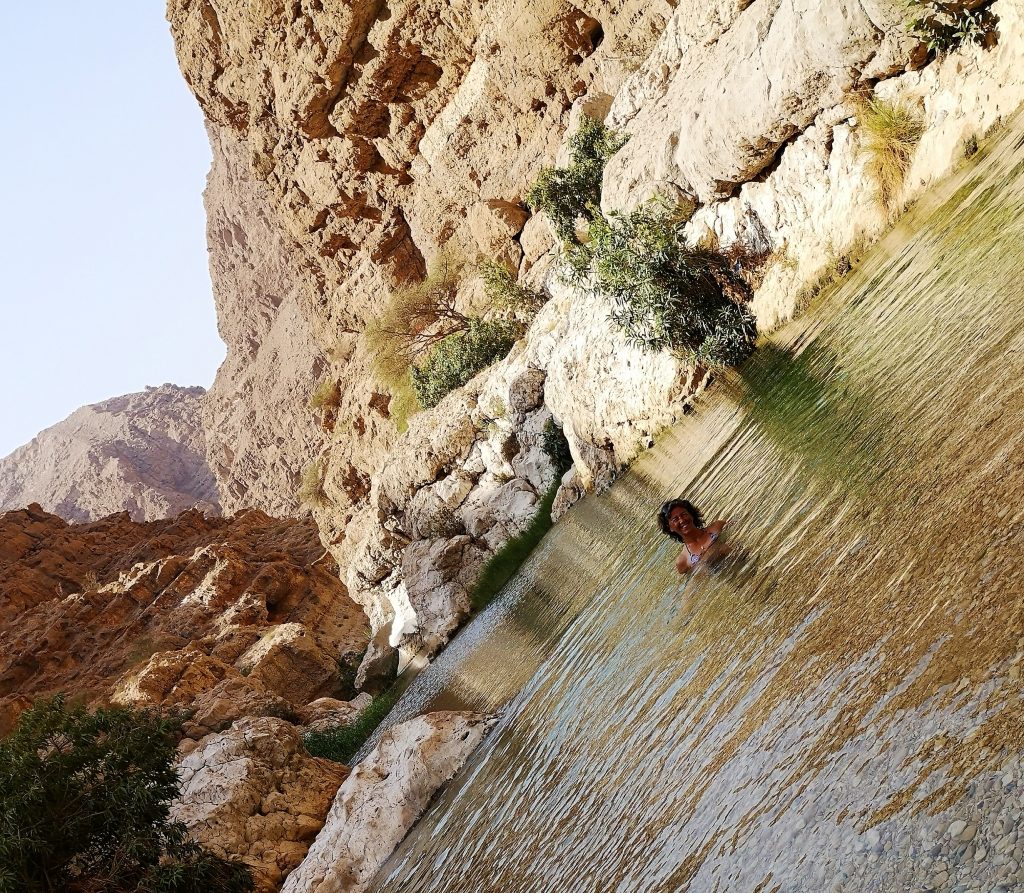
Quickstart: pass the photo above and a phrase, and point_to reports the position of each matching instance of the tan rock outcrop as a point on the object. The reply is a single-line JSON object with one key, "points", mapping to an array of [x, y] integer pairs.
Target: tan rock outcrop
{"points": [[349, 147], [374, 139], [193, 611], [728, 87], [253, 793], [383, 797], [142, 453]]}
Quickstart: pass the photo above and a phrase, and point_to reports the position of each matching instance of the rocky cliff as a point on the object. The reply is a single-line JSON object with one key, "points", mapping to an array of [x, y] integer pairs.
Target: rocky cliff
{"points": [[226, 616], [142, 453], [241, 627], [353, 142]]}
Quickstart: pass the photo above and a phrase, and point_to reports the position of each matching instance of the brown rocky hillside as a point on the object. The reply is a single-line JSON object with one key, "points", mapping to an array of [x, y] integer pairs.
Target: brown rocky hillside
{"points": [[226, 616], [142, 453]]}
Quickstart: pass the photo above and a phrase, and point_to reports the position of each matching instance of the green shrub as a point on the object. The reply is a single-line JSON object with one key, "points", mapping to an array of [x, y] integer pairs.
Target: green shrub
{"points": [[453, 361], [890, 134], [341, 743], [569, 194], [557, 447], [348, 670], [944, 27], [311, 490], [506, 295], [666, 295], [327, 394], [415, 319], [84, 806]]}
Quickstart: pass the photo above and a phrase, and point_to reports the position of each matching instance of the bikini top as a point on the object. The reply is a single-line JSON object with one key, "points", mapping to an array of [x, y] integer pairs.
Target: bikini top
{"points": [[695, 558]]}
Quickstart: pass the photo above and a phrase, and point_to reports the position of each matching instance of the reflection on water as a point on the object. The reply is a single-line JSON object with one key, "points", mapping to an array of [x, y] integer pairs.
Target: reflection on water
{"points": [[837, 705]]}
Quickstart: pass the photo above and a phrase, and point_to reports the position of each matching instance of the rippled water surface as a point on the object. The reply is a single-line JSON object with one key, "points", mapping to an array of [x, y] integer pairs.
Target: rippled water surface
{"points": [[837, 705]]}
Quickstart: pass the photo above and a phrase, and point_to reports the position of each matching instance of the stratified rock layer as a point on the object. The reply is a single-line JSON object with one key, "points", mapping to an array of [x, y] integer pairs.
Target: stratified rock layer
{"points": [[142, 453], [229, 616], [382, 799]]}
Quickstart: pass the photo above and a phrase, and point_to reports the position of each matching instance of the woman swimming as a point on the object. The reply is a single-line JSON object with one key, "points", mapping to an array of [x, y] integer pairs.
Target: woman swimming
{"points": [[682, 521]]}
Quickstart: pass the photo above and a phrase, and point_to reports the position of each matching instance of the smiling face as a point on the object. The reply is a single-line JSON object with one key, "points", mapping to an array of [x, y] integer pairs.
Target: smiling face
{"points": [[680, 521]]}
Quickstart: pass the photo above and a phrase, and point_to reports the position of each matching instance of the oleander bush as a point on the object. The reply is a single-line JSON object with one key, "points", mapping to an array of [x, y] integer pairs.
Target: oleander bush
{"points": [[572, 195], [664, 294], [946, 25], [453, 361], [557, 447], [85, 803]]}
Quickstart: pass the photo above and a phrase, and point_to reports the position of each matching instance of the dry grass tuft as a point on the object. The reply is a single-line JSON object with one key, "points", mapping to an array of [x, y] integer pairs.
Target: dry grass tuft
{"points": [[327, 394], [311, 491], [889, 136]]}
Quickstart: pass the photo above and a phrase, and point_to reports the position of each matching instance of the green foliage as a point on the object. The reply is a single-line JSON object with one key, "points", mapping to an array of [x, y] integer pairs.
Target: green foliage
{"points": [[510, 557], [84, 806], [666, 295], [348, 669], [944, 27], [567, 194], [890, 134], [311, 490], [506, 295], [341, 743], [415, 319], [452, 362], [557, 447]]}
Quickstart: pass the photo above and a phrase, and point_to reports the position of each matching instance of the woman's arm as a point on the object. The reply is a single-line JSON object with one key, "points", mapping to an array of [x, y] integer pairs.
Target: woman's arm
{"points": [[683, 562], [717, 526]]}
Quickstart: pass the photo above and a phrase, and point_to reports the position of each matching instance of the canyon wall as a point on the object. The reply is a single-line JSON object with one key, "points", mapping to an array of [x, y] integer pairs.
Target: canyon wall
{"points": [[353, 143], [228, 617], [142, 453]]}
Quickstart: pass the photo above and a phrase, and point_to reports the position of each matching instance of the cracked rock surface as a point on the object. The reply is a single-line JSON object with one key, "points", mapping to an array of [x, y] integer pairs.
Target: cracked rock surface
{"points": [[383, 797]]}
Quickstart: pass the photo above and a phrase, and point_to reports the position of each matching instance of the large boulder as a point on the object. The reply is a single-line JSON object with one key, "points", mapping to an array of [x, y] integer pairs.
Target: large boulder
{"points": [[382, 799], [252, 792]]}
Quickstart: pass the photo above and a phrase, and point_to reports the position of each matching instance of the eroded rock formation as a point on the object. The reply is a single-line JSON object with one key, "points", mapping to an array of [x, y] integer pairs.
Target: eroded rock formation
{"points": [[142, 453], [253, 793], [360, 139], [227, 616], [383, 797]]}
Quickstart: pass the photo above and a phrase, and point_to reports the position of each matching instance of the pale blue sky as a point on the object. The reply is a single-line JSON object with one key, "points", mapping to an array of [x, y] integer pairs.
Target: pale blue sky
{"points": [[104, 286]]}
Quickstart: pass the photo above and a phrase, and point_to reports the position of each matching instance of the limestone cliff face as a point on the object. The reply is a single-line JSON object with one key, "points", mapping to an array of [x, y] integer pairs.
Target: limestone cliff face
{"points": [[142, 453], [259, 428], [359, 138], [364, 137]]}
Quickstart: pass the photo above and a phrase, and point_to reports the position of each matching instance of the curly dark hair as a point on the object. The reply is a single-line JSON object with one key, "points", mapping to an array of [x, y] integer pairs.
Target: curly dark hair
{"points": [[666, 511]]}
